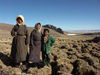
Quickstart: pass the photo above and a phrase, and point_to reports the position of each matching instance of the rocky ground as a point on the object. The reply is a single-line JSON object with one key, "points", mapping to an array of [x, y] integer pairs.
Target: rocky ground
{"points": [[71, 55]]}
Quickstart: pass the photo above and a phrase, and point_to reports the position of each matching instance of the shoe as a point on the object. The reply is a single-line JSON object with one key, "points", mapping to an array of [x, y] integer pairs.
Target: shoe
{"points": [[23, 67]]}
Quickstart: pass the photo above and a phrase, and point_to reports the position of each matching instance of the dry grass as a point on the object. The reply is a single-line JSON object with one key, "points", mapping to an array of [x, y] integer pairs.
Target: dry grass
{"points": [[67, 52]]}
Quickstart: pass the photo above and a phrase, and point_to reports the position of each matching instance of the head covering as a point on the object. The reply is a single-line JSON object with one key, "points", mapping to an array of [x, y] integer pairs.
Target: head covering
{"points": [[22, 18]]}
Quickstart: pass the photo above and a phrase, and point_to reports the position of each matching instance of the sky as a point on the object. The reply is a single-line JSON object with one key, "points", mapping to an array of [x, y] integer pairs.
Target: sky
{"points": [[66, 14]]}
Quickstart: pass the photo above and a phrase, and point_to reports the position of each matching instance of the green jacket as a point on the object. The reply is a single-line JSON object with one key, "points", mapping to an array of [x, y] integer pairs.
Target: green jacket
{"points": [[46, 47]]}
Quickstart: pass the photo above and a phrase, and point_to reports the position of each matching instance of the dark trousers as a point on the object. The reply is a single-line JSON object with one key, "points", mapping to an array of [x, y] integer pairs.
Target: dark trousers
{"points": [[45, 58]]}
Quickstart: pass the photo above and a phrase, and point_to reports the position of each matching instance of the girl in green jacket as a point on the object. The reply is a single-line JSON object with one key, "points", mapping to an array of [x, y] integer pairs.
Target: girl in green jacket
{"points": [[47, 42]]}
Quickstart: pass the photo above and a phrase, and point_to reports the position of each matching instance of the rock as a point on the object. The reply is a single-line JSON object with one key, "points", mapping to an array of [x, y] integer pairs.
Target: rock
{"points": [[5, 71], [63, 47], [59, 54], [60, 30], [72, 58], [85, 51], [79, 55], [64, 66], [64, 73], [16, 71], [95, 40], [95, 53], [70, 49], [82, 68], [74, 46], [42, 71], [54, 28], [92, 61]]}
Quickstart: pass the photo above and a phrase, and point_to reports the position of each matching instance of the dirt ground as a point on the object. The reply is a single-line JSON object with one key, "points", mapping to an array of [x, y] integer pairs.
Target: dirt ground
{"points": [[71, 55]]}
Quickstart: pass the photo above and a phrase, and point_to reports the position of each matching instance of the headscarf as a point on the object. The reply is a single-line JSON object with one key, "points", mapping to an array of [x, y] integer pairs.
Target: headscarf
{"points": [[22, 18], [40, 27]]}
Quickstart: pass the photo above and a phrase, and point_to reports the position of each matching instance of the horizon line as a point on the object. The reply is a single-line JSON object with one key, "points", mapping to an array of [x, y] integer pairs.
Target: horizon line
{"points": [[61, 28]]}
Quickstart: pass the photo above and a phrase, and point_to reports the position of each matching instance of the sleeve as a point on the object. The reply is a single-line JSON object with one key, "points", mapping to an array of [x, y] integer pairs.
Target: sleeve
{"points": [[52, 41], [42, 42], [13, 31], [27, 37], [31, 39]]}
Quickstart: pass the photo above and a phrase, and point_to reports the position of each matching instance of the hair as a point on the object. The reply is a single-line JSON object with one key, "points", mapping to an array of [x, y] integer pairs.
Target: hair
{"points": [[46, 30], [19, 18], [37, 24]]}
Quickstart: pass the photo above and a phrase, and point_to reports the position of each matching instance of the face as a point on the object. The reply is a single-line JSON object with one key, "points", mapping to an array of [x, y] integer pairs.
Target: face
{"points": [[46, 33], [19, 21], [38, 27]]}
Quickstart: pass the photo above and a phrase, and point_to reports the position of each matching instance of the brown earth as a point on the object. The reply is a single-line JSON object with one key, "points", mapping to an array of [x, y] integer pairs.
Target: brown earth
{"points": [[71, 55]]}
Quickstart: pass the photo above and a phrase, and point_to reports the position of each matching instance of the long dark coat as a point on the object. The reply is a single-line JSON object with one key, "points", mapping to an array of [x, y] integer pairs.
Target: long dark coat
{"points": [[19, 43], [35, 46]]}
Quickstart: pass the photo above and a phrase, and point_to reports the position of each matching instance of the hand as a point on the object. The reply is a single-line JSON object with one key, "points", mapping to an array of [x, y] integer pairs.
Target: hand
{"points": [[15, 33]]}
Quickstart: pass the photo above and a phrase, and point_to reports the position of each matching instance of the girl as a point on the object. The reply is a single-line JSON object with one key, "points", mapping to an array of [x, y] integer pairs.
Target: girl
{"points": [[20, 41], [47, 42], [35, 45]]}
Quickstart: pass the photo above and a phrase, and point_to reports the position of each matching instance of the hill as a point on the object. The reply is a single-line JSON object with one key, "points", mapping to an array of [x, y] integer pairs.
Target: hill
{"points": [[8, 27]]}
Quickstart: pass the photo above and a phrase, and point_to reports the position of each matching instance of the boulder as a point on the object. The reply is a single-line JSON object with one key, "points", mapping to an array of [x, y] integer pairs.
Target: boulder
{"points": [[54, 28], [64, 66], [82, 67]]}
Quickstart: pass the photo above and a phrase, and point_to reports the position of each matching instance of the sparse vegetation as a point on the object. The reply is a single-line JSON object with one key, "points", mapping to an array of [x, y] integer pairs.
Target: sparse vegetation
{"points": [[77, 55]]}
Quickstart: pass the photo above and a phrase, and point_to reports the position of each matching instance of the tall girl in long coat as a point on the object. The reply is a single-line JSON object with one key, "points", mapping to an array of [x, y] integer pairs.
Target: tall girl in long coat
{"points": [[20, 41], [35, 44]]}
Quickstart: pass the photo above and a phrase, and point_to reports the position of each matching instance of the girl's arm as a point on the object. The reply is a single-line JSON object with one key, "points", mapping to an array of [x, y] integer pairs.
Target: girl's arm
{"points": [[52, 41], [31, 39], [13, 32], [27, 37]]}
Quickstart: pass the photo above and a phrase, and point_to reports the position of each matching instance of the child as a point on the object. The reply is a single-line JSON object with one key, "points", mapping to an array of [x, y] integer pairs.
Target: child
{"points": [[35, 45], [47, 42]]}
